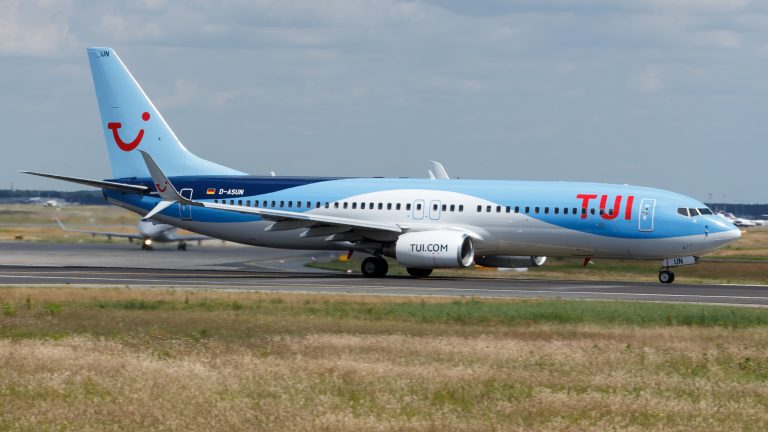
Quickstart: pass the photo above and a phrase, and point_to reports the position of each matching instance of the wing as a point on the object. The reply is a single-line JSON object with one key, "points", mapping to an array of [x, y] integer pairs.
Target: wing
{"points": [[190, 237], [333, 226], [101, 233]]}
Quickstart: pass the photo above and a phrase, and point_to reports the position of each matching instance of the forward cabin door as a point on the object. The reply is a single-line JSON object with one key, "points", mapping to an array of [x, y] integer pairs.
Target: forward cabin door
{"points": [[647, 209]]}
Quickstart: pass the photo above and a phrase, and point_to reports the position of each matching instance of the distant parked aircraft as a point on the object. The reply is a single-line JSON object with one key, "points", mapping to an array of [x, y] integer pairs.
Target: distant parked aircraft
{"points": [[149, 234], [741, 222]]}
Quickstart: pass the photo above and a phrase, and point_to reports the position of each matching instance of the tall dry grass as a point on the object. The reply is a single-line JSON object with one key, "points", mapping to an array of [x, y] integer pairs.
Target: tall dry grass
{"points": [[80, 367]]}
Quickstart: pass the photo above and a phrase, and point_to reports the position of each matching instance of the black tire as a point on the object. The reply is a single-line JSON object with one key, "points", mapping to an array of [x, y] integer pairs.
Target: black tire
{"points": [[182, 246], [374, 267], [419, 272], [666, 277]]}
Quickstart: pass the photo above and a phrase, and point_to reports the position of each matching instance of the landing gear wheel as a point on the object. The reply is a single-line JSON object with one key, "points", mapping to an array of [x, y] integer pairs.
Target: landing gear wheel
{"points": [[182, 246], [419, 272], [666, 277], [373, 267]]}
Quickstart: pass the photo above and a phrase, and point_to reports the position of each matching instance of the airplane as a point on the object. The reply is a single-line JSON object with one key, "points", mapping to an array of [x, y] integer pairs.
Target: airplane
{"points": [[149, 234], [422, 223], [740, 222]]}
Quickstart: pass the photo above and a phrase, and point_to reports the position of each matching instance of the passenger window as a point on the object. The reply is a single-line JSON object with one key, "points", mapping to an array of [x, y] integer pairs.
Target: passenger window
{"points": [[461, 207], [488, 209], [517, 209], [527, 210], [602, 212], [309, 205], [546, 210], [298, 204], [231, 202], [498, 209], [479, 208], [508, 209], [434, 207], [389, 206], [575, 211], [418, 206], [381, 206], [336, 205], [557, 210], [370, 206], [592, 211], [583, 210], [264, 204], [407, 206], [453, 207], [345, 205], [536, 210], [354, 205], [273, 204], [290, 204], [397, 206], [445, 207], [248, 203], [216, 201], [565, 210], [683, 211], [610, 212]]}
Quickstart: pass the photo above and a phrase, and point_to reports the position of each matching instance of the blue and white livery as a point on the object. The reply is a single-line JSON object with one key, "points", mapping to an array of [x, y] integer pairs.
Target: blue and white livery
{"points": [[422, 223]]}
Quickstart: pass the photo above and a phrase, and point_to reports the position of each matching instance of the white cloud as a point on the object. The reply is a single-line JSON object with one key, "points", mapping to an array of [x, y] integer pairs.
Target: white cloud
{"points": [[35, 28], [650, 80]]}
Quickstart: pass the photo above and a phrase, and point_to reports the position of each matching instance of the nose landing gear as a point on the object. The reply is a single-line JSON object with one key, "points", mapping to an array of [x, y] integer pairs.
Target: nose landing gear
{"points": [[666, 276]]}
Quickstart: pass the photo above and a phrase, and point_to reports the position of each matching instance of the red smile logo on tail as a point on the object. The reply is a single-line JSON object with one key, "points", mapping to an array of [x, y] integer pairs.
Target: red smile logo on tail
{"points": [[124, 146]]}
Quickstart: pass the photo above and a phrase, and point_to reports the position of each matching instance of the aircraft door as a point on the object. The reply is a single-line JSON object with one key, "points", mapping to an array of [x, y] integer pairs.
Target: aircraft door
{"points": [[185, 211], [418, 209], [647, 209], [434, 210]]}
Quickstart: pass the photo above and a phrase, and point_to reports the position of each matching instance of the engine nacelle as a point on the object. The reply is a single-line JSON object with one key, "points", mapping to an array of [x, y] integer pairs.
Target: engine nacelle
{"points": [[509, 261], [435, 249]]}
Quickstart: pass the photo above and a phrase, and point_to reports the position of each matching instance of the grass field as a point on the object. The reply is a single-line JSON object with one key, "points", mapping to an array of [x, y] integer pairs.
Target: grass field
{"points": [[118, 359]]}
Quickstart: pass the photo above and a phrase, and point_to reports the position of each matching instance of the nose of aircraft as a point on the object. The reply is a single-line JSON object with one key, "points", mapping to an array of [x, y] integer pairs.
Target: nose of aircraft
{"points": [[733, 234]]}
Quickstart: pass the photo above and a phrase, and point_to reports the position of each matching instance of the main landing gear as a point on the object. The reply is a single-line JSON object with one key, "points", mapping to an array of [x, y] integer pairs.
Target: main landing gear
{"points": [[182, 246], [374, 267]]}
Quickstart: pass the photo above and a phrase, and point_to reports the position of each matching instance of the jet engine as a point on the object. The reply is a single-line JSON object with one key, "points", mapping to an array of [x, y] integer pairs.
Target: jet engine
{"points": [[435, 249], [509, 261]]}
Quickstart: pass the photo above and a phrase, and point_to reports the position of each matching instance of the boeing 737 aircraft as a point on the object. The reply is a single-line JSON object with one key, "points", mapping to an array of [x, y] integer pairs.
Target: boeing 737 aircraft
{"points": [[421, 223], [149, 234]]}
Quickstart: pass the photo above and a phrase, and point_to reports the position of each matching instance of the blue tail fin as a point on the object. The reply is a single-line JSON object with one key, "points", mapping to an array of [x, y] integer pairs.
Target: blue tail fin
{"points": [[131, 121]]}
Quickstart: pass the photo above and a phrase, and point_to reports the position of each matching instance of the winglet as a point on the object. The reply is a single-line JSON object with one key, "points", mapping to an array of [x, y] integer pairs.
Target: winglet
{"points": [[438, 171], [164, 187]]}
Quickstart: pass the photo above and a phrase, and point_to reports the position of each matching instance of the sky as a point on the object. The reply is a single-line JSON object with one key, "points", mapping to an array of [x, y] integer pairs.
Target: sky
{"points": [[661, 93]]}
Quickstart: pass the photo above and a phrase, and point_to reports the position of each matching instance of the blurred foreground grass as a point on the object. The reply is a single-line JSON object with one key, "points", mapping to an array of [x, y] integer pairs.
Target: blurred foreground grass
{"points": [[119, 359]]}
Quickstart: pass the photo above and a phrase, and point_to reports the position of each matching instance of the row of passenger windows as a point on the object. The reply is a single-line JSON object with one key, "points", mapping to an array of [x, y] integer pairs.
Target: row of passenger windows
{"points": [[407, 206], [693, 212], [545, 210], [343, 205]]}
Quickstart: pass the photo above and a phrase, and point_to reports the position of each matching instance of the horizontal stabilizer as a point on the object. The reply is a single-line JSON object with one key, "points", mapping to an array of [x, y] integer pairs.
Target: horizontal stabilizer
{"points": [[95, 183], [162, 205]]}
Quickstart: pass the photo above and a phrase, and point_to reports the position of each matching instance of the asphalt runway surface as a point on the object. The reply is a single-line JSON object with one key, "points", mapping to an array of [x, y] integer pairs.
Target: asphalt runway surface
{"points": [[242, 268]]}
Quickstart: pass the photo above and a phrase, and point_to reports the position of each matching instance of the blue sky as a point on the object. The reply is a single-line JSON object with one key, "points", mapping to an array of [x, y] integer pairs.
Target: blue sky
{"points": [[667, 93]]}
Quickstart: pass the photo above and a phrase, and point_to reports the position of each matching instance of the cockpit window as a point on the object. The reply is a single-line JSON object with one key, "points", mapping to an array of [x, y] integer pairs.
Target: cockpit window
{"points": [[705, 211], [694, 212], [683, 211]]}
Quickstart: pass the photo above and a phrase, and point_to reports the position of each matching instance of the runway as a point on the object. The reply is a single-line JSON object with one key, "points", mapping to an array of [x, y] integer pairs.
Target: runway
{"points": [[259, 269]]}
